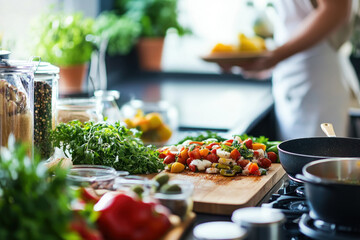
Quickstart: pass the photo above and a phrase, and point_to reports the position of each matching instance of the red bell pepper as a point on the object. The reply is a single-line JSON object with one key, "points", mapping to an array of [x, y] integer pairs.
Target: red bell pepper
{"points": [[123, 217]]}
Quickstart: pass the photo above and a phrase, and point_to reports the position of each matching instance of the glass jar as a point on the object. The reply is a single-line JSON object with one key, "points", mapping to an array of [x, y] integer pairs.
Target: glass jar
{"points": [[16, 101], [45, 98], [82, 109], [157, 120], [109, 108]]}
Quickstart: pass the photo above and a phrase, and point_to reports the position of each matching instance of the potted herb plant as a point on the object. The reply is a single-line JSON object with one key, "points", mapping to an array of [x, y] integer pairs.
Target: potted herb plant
{"points": [[61, 39], [142, 24]]}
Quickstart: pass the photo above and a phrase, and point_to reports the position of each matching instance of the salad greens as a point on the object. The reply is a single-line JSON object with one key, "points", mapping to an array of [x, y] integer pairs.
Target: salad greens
{"points": [[203, 136], [106, 144], [33, 204]]}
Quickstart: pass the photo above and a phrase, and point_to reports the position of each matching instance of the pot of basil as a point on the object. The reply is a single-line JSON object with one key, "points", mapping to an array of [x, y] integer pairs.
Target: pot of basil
{"points": [[61, 39]]}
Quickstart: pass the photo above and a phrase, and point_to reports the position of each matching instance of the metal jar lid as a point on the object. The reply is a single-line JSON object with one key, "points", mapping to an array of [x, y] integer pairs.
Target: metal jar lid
{"points": [[13, 66], [219, 230], [46, 68]]}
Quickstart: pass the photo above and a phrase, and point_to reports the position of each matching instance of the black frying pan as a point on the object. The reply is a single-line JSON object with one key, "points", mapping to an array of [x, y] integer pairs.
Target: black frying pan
{"points": [[295, 153]]}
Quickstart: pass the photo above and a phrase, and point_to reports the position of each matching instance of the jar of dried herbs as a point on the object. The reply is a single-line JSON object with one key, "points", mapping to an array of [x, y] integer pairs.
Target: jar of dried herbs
{"points": [[45, 98]]}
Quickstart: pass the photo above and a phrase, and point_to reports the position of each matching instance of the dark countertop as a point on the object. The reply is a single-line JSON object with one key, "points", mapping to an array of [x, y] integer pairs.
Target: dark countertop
{"points": [[219, 102]]}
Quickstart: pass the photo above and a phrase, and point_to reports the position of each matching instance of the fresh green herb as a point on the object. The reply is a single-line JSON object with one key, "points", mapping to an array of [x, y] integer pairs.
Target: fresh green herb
{"points": [[203, 136], [33, 204], [106, 144]]}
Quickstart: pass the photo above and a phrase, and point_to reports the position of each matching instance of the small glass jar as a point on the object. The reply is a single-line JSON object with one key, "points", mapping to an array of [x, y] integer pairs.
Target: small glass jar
{"points": [[180, 204], [109, 108], [45, 98], [16, 101], [82, 109], [157, 120]]}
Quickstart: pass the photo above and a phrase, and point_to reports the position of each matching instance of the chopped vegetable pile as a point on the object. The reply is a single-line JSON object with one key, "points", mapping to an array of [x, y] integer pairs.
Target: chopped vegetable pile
{"points": [[106, 144], [242, 154]]}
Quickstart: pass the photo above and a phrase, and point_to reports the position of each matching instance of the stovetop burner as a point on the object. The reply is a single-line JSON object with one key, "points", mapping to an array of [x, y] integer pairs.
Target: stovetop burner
{"points": [[317, 229]]}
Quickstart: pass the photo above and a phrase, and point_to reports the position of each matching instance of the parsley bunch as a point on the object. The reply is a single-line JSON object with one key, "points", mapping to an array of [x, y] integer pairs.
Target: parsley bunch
{"points": [[106, 144]]}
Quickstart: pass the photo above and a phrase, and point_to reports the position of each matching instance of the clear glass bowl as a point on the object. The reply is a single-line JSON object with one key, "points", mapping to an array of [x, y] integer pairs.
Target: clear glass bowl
{"points": [[180, 204], [82, 109], [157, 120], [94, 176]]}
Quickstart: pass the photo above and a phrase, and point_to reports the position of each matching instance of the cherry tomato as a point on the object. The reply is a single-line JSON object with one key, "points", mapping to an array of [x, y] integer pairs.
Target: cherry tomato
{"points": [[212, 158], [229, 141], [192, 168], [235, 154], [248, 143], [243, 163], [272, 156], [181, 160], [188, 161], [169, 159], [184, 153], [195, 154], [162, 155], [264, 162]]}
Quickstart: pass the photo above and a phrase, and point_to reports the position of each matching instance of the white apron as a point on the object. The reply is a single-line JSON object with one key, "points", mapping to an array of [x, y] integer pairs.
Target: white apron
{"points": [[307, 87]]}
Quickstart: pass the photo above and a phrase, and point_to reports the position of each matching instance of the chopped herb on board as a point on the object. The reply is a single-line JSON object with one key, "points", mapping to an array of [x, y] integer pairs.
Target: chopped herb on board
{"points": [[106, 144]]}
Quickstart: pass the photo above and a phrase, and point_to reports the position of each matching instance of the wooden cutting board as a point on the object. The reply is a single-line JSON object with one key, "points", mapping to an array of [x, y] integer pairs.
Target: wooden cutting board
{"points": [[216, 194]]}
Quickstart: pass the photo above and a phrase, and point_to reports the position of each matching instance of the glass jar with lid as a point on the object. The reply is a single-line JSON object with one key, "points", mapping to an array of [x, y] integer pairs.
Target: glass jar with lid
{"points": [[108, 105], [16, 101], [82, 109], [45, 98]]}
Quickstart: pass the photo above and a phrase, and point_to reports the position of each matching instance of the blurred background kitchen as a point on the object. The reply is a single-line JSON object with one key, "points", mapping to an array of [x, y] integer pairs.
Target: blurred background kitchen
{"points": [[104, 41]]}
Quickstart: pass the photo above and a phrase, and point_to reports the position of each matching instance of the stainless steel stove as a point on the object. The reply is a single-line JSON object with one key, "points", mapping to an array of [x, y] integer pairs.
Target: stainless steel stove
{"points": [[300, 225]]}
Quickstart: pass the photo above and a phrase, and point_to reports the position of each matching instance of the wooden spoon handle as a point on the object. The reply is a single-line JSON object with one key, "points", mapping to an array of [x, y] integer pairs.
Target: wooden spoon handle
{"points": [[328, 129]]}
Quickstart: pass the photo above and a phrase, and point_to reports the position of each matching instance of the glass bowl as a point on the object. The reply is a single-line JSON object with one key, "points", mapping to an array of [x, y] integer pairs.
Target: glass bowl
{"points": [[82, 109], [94, 176], [180, 204], [157, 120]]}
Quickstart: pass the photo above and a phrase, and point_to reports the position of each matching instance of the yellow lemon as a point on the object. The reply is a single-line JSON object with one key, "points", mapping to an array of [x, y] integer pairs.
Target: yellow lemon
{"points": [[223, 48], [164, 132], [154, 120]]}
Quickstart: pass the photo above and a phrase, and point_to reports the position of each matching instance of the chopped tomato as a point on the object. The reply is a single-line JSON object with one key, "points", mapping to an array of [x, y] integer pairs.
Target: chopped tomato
{"points": [[195, 154], [272, 156], [214, 150], [181, 160], [162, 155], [243, 163], [229, 141], [169, 159], [204, 152], [192, 168], [188, 161], [235, 154], [248, 143], [212, 158], [198, 143], [253, 168], [264, 162]]}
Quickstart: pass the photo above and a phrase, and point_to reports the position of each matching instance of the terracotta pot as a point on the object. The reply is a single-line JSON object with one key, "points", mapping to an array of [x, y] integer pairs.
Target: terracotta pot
{"points": [[150, 52], [72, 79]]}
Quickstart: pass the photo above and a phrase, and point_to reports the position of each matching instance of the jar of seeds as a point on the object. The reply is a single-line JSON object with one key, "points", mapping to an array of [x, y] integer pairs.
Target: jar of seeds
{"points": [[45, 98]]}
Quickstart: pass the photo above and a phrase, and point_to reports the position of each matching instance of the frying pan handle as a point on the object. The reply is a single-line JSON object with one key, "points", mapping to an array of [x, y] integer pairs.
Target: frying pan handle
{"points": [[328, 129]]}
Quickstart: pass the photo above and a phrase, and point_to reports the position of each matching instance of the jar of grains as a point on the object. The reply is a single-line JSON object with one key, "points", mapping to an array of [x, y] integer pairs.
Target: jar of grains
{"points": [[45, 98], [16, 101]]}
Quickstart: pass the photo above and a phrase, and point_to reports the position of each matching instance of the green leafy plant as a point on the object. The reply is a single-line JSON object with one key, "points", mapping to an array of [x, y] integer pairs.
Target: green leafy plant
{"points": [[33, 204], [106, 144], [155, 16], [121, 32], [60, 38]]}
